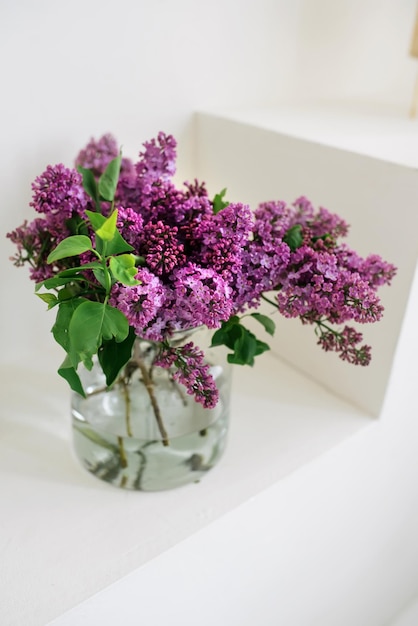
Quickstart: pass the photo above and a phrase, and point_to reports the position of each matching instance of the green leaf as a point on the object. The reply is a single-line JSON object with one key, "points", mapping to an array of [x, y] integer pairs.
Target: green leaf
{"points": [[71, 246], [62, 322], [219, 202], [261, 347], [219, 338], [96, 219], [74, 272], [113, 356], [293, 237], [50, 298], [59, 281], [70, 291], [245, 348], [69, 276], [107, 230], [100, 277], [243, 343], [90, 185], [118, 245], [108, 181], [265, 321], [139, 261], [77, 226], [124, 269], [228, 333], [90, 325], [68, 372]]}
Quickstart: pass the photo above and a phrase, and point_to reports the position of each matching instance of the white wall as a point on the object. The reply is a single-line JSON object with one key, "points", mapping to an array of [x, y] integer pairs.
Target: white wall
{"points": [[356, 49], [71, 70]]}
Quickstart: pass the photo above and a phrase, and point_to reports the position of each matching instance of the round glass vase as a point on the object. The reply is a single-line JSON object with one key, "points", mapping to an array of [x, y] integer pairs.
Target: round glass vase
{"points": [[146, 432]]}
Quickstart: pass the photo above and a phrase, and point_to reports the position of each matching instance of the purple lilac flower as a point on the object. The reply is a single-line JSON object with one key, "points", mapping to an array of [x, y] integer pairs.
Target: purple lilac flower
{"points": [[130, 224], [35, 240], [147, 187], [201, 267], [196, 189], [321, 228], [59, 194], [373, 268], [191, 371], [376, 271], [161, 248], [189, 213], [345, 343], [264, 257], [162, 201], [223, 237], [127, 193], [158, 160], [326, 224], [200, 297], [303, 211], [34, 243], [313, 286], [272, 221], [261, 269], [141, 304], [98, 153]]}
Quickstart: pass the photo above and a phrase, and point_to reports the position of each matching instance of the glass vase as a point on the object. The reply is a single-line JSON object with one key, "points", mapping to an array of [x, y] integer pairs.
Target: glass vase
{"points": [[147, 433]]}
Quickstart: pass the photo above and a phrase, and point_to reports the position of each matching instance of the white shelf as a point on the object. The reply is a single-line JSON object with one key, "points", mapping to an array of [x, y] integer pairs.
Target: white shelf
{"points": [[65, 535], [381, 131]]}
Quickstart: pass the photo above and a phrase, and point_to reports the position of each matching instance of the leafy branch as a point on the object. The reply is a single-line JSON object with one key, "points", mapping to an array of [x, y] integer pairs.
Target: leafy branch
{"points": [[86, 325], [244, 344]]}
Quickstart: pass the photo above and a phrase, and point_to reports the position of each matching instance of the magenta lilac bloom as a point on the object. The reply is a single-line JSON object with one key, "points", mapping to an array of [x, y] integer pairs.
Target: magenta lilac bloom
{"points": [[59, 192], [158, 160], [199, 266], [190, 370], [141, 304]]}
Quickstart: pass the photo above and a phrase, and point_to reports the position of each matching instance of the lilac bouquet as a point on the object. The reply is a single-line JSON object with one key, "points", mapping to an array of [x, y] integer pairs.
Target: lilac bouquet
{"points": [[120, 252]]}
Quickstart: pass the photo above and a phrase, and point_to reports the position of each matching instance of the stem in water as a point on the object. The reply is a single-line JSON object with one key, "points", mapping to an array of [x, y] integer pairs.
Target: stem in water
{"points": [[138, 362], [149, 386]]}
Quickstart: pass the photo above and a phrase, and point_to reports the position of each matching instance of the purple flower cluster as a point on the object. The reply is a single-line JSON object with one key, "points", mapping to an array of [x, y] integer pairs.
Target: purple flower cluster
{"points": [[57, 193], [315, 284], [345, 343], [198, 266], [190, 369], [142, 303], [158, 160], [97, 154], [161, 247], [318, 279]]}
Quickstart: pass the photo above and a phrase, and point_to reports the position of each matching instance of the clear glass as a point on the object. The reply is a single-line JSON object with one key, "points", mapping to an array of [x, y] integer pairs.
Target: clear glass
{"points": [[135, 439]]}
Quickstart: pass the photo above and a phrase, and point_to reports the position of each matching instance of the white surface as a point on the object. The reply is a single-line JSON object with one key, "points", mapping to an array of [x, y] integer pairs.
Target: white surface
{"points": [[409, 616], [382, 131], [335, 543], [65, 535]]}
